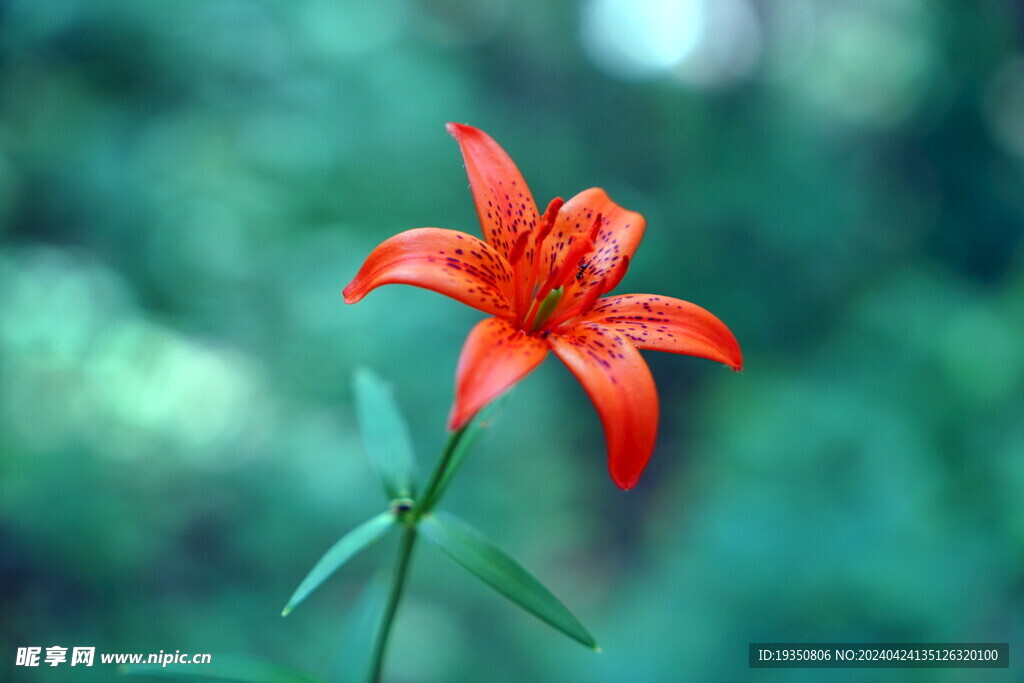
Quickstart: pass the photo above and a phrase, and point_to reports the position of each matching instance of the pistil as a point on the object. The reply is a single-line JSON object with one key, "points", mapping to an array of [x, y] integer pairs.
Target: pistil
{"points": [[546, 308]]}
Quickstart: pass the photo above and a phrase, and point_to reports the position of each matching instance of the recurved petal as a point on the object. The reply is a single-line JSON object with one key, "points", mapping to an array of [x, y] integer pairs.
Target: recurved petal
{"points": [[619, 383], [496, 356], [618, 237], [662, 323], [446, 261], [503, 201]]}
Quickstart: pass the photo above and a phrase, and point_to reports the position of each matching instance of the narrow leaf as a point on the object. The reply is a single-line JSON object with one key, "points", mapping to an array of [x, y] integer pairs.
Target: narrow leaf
{"points": [[351, 660], [225, 668], [466, 439], [340, 553], [385, 435], [472, 550]]}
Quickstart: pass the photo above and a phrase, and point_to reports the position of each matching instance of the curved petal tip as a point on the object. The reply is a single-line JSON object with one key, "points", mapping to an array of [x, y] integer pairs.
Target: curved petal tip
{"points": [[455, 129], [620, 385], [351, 294], [625, 484]]}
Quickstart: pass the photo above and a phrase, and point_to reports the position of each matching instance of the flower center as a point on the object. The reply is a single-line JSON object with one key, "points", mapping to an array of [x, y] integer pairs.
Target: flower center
{"points": [[541, 298]]}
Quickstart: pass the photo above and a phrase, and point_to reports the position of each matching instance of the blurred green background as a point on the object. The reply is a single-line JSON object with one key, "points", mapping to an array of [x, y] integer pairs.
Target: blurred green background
{"points": [[186, 186]]}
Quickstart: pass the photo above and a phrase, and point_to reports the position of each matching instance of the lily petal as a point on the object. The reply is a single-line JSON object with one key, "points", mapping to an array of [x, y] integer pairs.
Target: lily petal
{"points": [[619, 383], [620, 232], [446, 261], [496, 356], [617, 239], [661, 323], [503, 201]]}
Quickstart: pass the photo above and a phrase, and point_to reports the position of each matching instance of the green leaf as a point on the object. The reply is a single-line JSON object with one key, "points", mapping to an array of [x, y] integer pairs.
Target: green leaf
{"points": [[225, 668], [385, 435], [340, 553], [466, 439], [351, 660], [472, 550]]}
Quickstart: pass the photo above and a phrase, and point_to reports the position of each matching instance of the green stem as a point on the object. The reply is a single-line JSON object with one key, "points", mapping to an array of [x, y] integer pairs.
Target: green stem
{"points": [[437, 477], [394, 598], [406, 545]]}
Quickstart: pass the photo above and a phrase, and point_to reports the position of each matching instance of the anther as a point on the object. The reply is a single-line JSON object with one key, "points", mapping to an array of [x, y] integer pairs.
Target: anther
{"points": [[547, 221]]}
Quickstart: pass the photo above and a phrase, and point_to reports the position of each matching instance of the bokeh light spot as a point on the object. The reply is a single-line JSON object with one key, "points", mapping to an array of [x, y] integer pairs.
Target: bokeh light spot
{"points": [[696, 42]]}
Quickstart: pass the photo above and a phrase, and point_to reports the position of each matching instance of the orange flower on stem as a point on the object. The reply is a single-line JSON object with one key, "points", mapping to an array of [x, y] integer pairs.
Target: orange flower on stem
{"points": [[543, 278]]}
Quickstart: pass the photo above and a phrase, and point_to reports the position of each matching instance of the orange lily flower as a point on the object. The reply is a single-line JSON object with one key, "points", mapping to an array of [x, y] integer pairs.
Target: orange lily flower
{"points": [[543, 278]]}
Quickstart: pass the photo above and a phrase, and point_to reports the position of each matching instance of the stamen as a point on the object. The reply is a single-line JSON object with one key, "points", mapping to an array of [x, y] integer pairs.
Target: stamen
{"points": [[519, 247], [528, 284], [579, 249], [521, 270], [547, 221], [572, 268]]}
